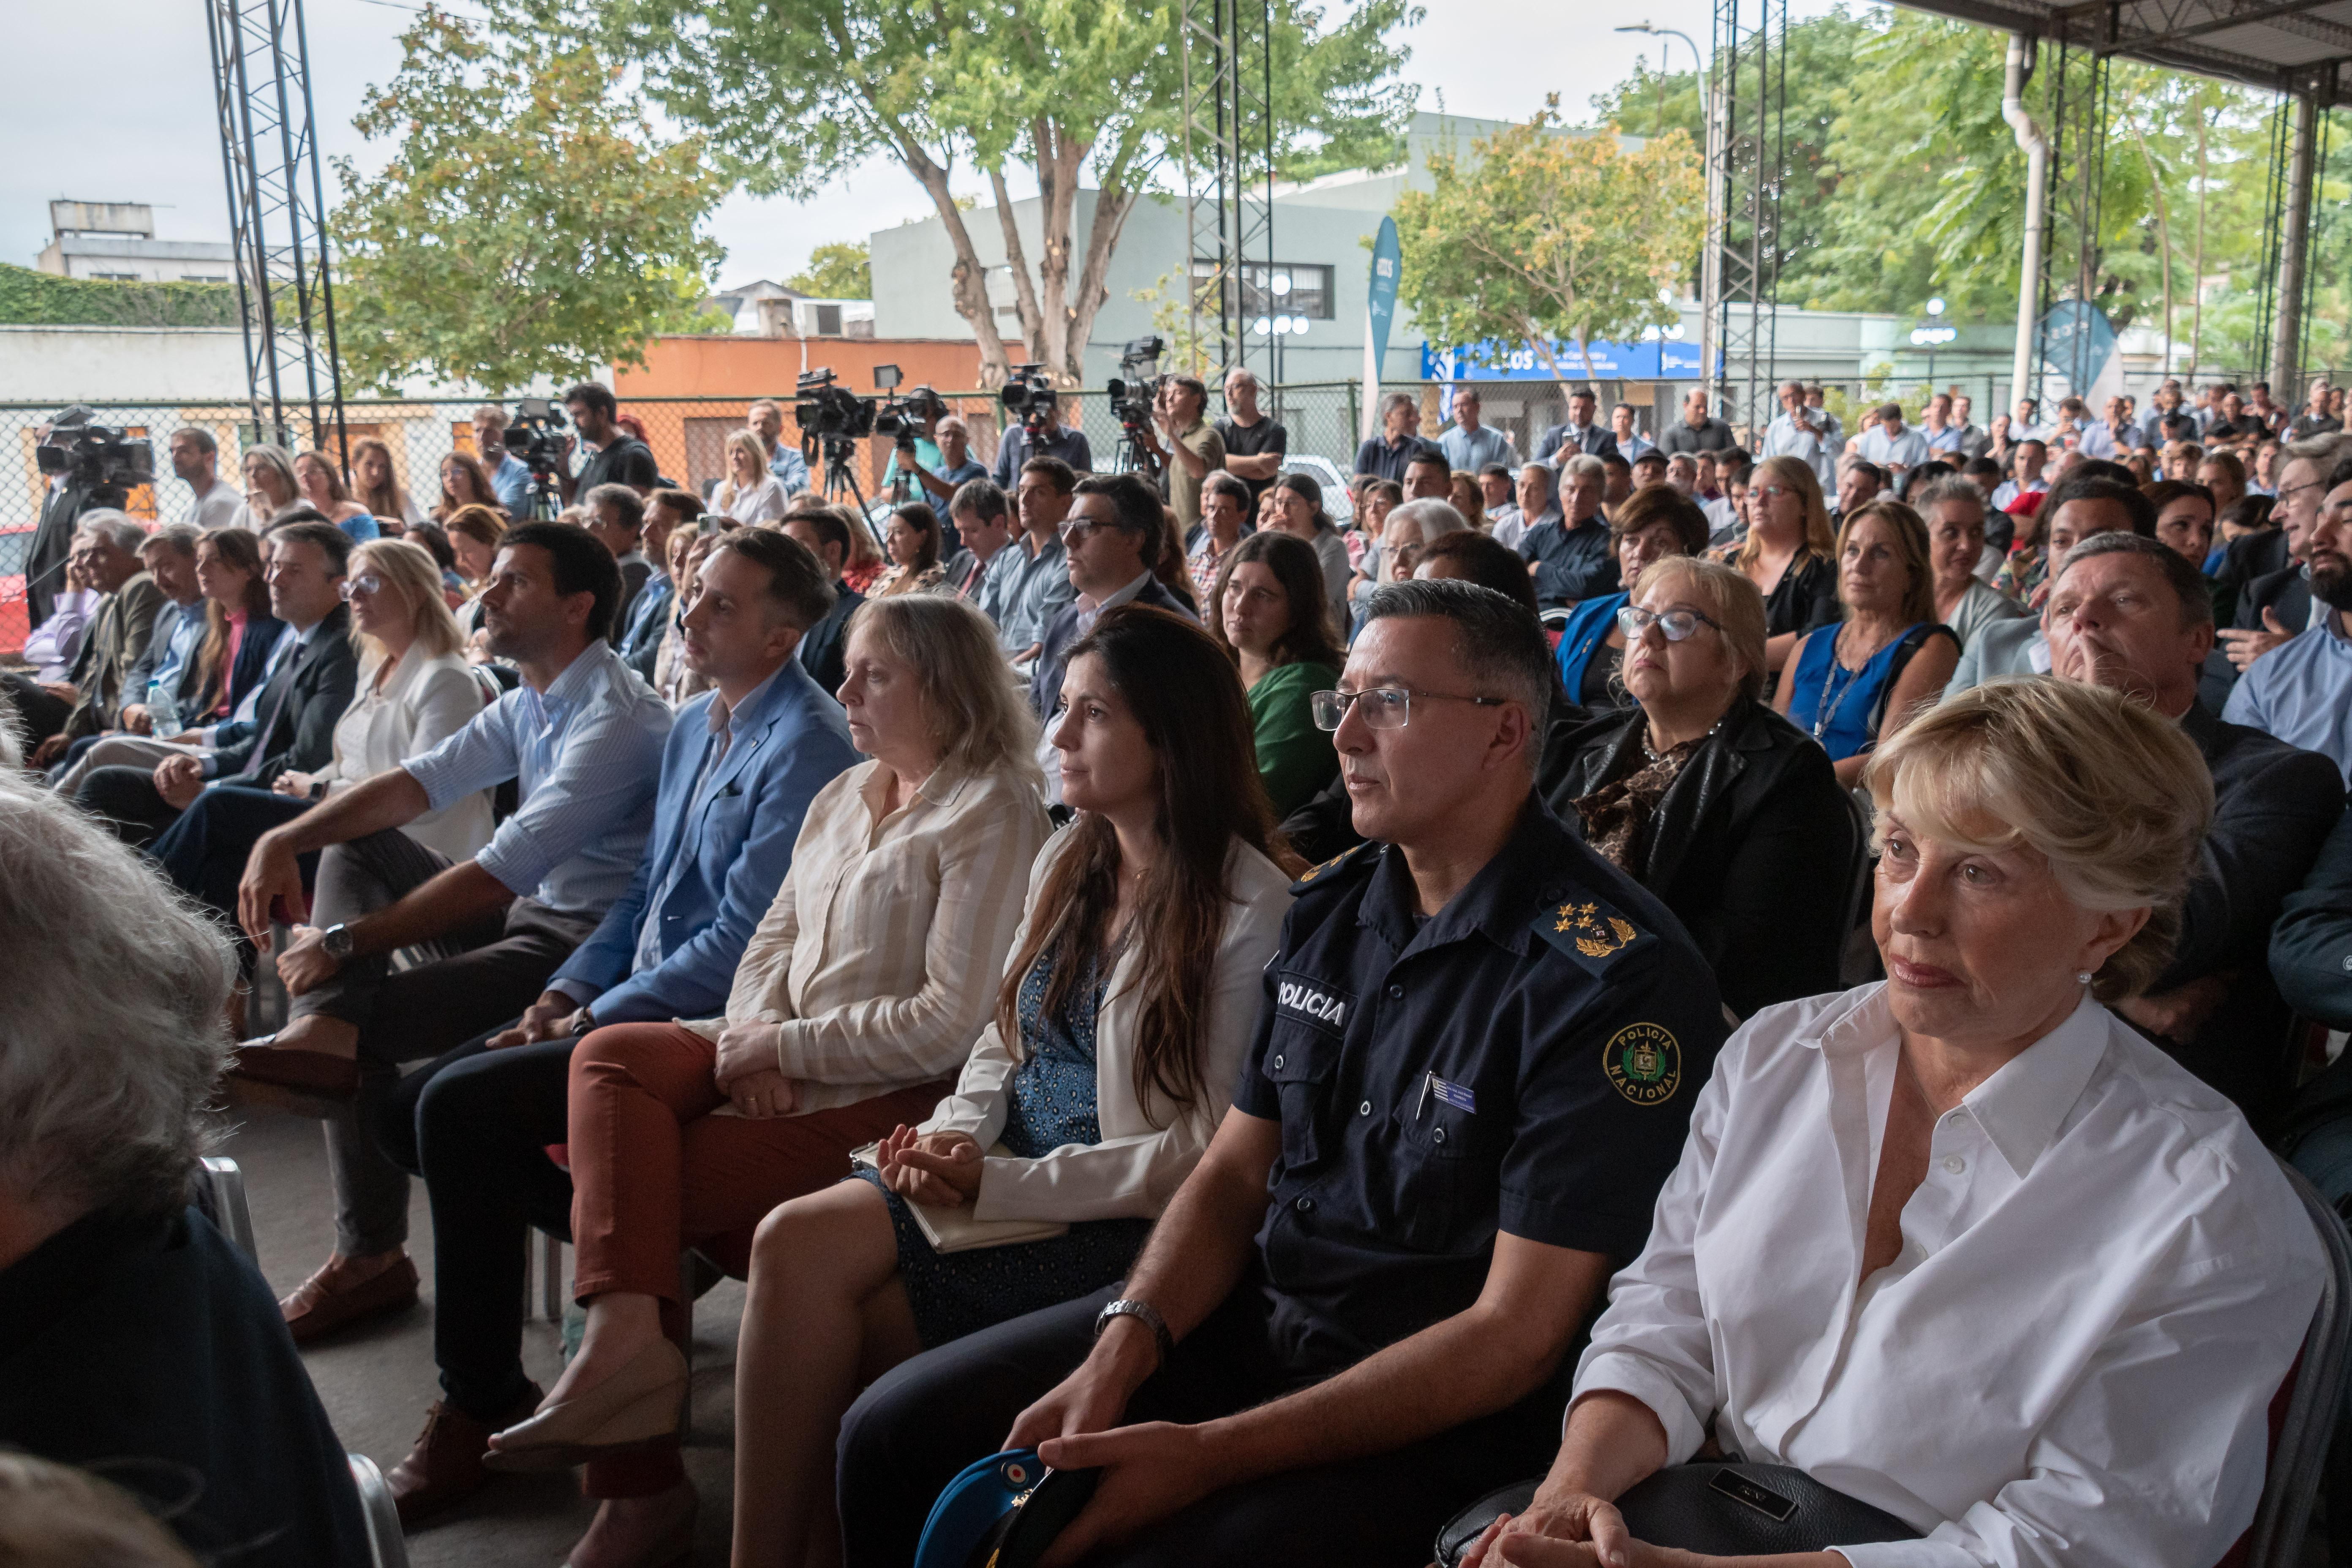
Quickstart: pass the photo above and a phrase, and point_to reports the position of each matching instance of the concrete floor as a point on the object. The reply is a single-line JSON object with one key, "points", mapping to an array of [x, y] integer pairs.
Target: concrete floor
{"points": [[377, 1380]]}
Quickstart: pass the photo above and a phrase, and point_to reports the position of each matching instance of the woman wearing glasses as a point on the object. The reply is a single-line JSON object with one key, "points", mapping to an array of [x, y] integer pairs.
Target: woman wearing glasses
{"points": [[415, 690], [1856, 684], [1268, 613], [1721, 807], [1654, 522], [1790, 554]]}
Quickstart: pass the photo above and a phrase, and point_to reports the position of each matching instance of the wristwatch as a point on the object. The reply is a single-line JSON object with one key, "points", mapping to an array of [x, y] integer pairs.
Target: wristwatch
{"points": [[1143, 1313], [336, 943]]}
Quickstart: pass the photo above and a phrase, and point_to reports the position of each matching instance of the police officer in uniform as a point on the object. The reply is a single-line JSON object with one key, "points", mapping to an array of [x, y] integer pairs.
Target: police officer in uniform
{"points": [[1472, 1074]]}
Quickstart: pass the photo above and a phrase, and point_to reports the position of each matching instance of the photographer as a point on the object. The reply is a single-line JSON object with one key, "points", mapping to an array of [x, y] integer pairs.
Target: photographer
{"points": [[510, 476], [1038, 436], [75, 488], [956, 467], [1194, 444], [619, 460], [1255, 443]]}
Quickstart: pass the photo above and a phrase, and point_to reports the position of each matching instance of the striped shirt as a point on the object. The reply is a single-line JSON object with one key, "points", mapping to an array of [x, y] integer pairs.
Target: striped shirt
{"points": [[881, 955], [585, 757]]}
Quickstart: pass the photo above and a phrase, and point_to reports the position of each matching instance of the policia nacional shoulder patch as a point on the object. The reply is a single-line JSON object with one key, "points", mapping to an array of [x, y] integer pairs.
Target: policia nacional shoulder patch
{"points": [[1643, 1063]]}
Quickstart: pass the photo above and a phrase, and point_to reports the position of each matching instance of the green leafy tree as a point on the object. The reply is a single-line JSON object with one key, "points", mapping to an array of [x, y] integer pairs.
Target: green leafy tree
{"points": [[795, 93], [529, 224], [1527, 240], [838, 269]]}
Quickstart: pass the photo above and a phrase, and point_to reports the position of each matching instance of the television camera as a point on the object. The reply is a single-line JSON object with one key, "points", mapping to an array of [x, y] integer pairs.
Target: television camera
{"points": [[95, 458], [1028, 398], [536, 438], [1134, 399]]}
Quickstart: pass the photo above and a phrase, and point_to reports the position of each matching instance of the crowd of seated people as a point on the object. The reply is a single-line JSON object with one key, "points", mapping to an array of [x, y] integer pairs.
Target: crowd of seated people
{"points": [[1026, 937]]}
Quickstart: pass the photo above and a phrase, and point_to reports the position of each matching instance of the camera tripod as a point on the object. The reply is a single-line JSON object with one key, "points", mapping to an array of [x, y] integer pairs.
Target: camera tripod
{"points": [[1133, 456], [545, 504], [840, 476]]}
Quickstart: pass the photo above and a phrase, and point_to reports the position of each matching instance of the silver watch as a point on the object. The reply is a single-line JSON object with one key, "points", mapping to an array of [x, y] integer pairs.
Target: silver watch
{"points": [[336, 943], [1143, 1313]]}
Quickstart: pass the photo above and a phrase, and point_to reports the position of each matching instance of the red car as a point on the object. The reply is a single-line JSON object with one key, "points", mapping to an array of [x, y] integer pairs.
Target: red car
{"points": [[13, 544]]}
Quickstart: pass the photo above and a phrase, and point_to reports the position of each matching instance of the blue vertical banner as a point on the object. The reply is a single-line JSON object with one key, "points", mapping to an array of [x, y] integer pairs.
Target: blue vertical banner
{"points": [[1380, 314]]}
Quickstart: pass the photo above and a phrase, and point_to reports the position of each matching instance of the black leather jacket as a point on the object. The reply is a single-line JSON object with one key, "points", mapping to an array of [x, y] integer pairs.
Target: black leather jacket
{"points": [[1755, 847]]}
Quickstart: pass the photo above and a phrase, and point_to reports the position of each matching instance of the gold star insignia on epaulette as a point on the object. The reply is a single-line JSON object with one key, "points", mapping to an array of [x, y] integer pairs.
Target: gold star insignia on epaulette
{"points": [[1595, 936]]}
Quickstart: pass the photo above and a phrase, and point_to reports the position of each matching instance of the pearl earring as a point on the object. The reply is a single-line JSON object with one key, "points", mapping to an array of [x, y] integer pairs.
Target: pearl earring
{"points": [[2083, 977]]}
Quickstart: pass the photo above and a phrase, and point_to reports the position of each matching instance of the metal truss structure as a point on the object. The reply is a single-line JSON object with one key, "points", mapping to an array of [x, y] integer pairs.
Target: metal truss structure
{"points": [[1745, 166], [1228, 152], [2074, 83], [277, 206]]}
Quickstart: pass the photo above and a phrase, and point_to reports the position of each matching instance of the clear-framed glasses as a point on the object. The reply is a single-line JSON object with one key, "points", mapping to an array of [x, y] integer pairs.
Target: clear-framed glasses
{"points": [[366, 582], [1678, 624], [1770, 493], [1384, 707]]}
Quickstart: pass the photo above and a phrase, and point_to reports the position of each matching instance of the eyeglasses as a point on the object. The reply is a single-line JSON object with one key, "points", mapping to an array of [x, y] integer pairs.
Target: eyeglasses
{"points": [[366, 582], [2286, 490], [1769, 492], [1084, 528], [1384, 707], [1678, 624]]}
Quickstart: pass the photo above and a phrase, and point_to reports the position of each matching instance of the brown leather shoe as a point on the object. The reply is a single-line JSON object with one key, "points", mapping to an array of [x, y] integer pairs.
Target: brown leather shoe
{"points": [[286, 1078], [317, 1308], [444, 1467]]}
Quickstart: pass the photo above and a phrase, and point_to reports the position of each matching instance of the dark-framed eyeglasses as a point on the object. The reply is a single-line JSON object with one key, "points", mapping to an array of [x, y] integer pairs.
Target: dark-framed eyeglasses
{"points": [[1383, 707]]}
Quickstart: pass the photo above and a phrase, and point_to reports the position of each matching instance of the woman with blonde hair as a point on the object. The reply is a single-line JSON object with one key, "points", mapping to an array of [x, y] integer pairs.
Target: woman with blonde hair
{"points": [[1854, 683], [1702, 794], [415, 690], [1962, 1245], [1790, 554], [749, 493], [323, 488], [858, 997], [272, 485], [375, 487]]}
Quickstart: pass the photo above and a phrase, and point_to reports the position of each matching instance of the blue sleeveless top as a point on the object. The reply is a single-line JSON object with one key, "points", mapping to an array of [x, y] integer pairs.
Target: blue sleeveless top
{"points": [[1836, 706]]}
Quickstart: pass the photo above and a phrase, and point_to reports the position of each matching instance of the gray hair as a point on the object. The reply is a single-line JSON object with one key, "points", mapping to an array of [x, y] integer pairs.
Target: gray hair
{"points": [[1231, 486], [106, 1064], [118, 528], [2187, 584], [1585, 465], [204, 439], [2325, 451], [1951, 486], [278, 458], [1497, 642], [1550, 475], [1432, 517], [1240, 373], [1394, 401], [180, 536]]}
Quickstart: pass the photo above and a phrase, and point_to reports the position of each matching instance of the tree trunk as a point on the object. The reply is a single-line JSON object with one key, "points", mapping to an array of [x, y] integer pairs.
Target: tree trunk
{"points": [[970, 277], [2197, 265], [1111, 210], [1060, 159], [1025, 289]]}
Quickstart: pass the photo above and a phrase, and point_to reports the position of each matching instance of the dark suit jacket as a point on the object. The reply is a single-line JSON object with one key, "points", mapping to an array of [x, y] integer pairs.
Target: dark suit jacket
{"points": [[1598, 441], [823, 653], [153, 1346], [45, 561], [2273, 807], [119, 635], [2244, 560], [319, 682], [2285, 593], [2311, 946], [1046, 679], [1753, 846]]}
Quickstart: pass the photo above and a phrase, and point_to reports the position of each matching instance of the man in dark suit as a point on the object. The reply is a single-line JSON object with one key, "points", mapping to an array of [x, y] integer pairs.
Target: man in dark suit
{"points": [[62, 506], [1579, 434], [106, 550], [1112, 534], [2127, 613], [293, 726], [824, 527]]}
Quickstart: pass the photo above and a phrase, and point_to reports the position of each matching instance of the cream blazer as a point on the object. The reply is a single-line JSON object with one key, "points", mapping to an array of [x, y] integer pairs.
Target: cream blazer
{"points": [[1137, 1166], [428, 700]]}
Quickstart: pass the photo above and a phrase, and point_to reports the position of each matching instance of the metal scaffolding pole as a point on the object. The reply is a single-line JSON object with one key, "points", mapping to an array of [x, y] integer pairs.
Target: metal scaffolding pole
{"points": [[1228, 126], [277, 203], [2075, 77], [1746, 144], [2295, 247]]}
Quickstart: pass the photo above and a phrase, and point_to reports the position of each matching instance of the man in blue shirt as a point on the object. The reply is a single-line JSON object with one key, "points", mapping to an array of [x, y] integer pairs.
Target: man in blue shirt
{"points": [[1030, 575], [582, 738], [2301, 691], [1013, 452], [1387, 454], [737, 772], [939, 482], [766, 420], [648, 614], [1471, 445], [509, 476], [1569, 554]]}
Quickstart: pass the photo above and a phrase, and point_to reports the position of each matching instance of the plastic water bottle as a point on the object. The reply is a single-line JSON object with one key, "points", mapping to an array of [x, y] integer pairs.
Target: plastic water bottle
{"points": [[162, 713]]}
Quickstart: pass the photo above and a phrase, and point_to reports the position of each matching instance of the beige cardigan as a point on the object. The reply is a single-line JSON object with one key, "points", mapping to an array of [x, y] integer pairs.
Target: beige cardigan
{"points": [[1137, 1167]]}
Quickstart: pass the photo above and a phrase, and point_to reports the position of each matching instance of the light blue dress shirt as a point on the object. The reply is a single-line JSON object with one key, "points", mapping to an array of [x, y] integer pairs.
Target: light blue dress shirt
{"points": [[511, 482], [586, 756], [2301, 691], [1031, 591], [1471, 450]]}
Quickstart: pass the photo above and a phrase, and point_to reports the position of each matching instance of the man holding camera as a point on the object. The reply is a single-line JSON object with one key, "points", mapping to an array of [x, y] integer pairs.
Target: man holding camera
{"points": [[509, 478], [956, 466], [75, 488], [1038, 432], [619, 458], [1178, 408]]}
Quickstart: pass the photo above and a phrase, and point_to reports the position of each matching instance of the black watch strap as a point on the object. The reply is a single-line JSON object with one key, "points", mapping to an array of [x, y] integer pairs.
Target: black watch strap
{"points": [[1143, 1313]]}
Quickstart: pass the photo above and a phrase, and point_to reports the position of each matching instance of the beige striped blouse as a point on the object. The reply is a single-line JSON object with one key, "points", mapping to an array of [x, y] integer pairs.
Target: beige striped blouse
{"points": [[882, 953]]}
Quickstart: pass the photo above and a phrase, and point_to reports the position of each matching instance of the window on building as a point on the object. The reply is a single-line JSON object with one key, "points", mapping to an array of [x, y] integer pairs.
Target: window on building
{"points": [[118, 277], [828, 321], [203, 278], [1283, 288]]}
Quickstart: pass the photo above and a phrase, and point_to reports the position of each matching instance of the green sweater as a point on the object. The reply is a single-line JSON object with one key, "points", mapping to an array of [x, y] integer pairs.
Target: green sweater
{"points": [[1293, 757]]}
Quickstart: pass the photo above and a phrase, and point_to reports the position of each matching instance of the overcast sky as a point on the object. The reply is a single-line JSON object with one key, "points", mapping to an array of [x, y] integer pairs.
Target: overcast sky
{"points": [[143, 129]]}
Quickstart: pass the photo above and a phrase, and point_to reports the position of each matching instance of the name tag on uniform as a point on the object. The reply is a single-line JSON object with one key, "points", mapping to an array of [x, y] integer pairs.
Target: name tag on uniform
{"points": [[1311, 1002], [1452, 1094]]}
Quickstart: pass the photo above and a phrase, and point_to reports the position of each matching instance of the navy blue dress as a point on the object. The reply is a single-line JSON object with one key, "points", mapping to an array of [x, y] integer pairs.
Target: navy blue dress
{"points": [[1053, 1105]]}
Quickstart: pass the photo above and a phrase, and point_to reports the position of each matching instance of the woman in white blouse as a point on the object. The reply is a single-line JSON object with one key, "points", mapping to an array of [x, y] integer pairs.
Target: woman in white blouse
{"points": [[1962, 1245], [415, 690], [858, 997], [750, 493], [1108, 1063]]}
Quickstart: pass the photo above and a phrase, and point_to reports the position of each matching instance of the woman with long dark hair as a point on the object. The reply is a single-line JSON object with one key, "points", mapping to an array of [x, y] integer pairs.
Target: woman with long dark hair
{"points": [[1270, 617], [1131, 991]]}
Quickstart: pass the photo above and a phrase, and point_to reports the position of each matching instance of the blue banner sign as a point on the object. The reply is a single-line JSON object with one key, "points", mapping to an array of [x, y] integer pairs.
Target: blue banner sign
{"points": [[1661, 359]]}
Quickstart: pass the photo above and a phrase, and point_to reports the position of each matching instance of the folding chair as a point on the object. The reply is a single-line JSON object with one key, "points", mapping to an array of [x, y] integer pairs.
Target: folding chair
{"points": [[220, 1194], [388, 1546]]}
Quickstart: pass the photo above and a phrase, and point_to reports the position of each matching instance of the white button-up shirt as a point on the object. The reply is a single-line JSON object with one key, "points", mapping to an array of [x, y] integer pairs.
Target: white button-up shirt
{"points": [[2103, 1281]]}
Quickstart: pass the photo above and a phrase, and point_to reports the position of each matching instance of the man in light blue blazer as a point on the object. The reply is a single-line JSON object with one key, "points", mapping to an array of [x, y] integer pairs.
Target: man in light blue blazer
{"points": [[741, 764]]}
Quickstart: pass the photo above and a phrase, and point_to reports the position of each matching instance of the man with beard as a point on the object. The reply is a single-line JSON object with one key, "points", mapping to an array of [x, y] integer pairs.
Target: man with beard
{"points": [[2127, 613], [2301, 691]]}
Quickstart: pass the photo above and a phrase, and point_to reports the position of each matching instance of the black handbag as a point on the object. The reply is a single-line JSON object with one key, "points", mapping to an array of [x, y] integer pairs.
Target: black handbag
{"points": [[1712, 1507]]}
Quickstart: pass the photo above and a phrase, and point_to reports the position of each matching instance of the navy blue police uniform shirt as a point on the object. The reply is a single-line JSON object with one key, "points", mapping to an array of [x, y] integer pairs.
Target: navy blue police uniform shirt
{"points": [[1524, 1060]]}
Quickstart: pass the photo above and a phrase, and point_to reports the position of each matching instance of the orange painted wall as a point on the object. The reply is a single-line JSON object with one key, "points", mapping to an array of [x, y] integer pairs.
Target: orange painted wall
{"points": [[729, 366]]}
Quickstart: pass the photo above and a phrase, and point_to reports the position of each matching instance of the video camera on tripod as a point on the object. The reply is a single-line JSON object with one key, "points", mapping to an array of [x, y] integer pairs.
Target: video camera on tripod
{"points": [[95, 458], [1028, 398], [829, 413], [536, 435], [1134, 399]]}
